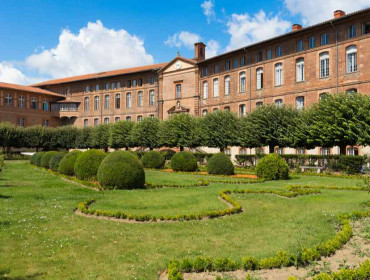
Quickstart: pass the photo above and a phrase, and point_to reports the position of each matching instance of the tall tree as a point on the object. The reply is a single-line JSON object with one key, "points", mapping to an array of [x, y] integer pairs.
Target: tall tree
{"points": [[33, 137], [100, 137], [84, 138], [9, 136], [220, 129], [120, 134], [146, 133], [67, 136]]}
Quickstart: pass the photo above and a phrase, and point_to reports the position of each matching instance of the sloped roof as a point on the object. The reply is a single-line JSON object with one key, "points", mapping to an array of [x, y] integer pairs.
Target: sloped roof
{"points": [[102, 74], [29, 89], [191, 61]]}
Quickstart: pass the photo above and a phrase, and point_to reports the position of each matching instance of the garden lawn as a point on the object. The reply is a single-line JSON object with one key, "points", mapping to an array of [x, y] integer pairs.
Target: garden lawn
{"points": [[42, 238]]}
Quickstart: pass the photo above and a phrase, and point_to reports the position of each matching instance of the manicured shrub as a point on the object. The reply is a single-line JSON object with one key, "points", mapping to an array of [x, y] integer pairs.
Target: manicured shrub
{"points": [[184, 161], [121, 170], [67, 164], [272, 167], [220, 164], [38, 158], [87, 164], [153, 159], [33, 158], [46, 158], [55, 161], [1, 162]]}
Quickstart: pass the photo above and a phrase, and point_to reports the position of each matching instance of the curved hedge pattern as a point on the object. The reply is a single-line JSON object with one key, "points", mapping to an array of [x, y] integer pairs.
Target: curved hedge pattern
{"points": [[38, 157], [46, 158], [67, 164], [55, 160]]}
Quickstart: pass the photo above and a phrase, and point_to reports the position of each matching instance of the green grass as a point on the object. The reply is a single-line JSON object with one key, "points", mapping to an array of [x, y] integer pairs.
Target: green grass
{"points": [[42, 238]]}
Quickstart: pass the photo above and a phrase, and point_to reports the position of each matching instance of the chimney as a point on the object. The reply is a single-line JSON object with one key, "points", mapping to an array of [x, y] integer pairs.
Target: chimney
{"points": [[339, 13], [296, 27], [199, 51]]}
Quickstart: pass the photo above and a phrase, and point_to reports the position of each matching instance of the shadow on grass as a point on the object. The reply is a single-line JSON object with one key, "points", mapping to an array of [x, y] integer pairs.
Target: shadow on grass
{"points": [[4, 196], [4, 276]]}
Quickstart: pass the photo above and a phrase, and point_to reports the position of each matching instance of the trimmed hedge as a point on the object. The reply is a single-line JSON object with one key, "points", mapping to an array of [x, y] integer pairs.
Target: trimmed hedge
{"points": [[184, 161], [55, 161], [38, 157], [87, 164], [153, 159], [361, 273], [220, 164], [33, 158], [67, 164], [1, 162], [46, 158], [272, 167], [121, 170]]}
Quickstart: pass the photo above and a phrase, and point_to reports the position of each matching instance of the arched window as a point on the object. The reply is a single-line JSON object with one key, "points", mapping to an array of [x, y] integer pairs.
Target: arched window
{"points": [[128, 100], [351, 54], [205, 90], [352, 151], [34, 103], [323, 95], [324, 64], [86, 104], [151, 98], [117, 119], [242, 81], [227, 108], [118, 101], [300, 70], [106, 102], [140, 99], [278, 74], [139, 118], [96, 103], [204, 112], [259, 104], [299, 102], [128, 118], [45, 105], [351, 90], [8, 100], [242, 110], [21, 101], [215, 88], [279, 102], [96, 122], [86, 122], [227, 85], [260, 78], [106, 120]]}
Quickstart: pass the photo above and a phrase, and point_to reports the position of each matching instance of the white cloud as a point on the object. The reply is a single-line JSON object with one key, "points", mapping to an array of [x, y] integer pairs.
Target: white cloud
{"points": [[184, 38], [94, 49], [315, 11], [212, 48], [245, 29], [208, 10], [10, 74]]}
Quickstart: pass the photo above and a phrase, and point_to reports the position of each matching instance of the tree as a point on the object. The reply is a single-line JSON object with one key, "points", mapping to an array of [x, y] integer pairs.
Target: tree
{"points": [[268, 125], [120, 134], [9, 136], [220, 129], [146, 133], [33, 137], [340, 120], [181, 130], [67, 136], [100, 137], [84, 138]]}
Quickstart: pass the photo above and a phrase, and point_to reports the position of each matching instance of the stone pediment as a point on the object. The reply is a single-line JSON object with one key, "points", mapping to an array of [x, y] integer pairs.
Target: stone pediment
{"points": [[178, 109]]}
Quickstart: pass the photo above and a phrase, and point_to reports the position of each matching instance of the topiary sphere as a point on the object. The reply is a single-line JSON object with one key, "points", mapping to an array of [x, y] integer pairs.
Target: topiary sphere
{"points": [[46, 158], [33, 158], [272, 167], [67, 164], [153, 159], [184, 161], [87, 164], [55, 161], [220, 164], [121, 170], [38, 157]]}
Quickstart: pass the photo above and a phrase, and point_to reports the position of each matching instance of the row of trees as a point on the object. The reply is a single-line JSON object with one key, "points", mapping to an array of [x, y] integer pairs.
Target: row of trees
{"points": [[337, 120]]}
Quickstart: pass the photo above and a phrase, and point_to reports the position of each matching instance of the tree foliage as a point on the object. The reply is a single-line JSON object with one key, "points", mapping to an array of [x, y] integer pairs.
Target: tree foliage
{"points": [[146, 133], [120, 134]]}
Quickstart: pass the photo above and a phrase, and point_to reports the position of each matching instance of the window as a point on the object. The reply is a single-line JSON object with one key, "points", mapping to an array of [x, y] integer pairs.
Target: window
{"points": [[128, 84], [279, 51], [227, 85], [21, 101], [325, 151], [107, 86], [259, 104], [227, 65], [324, 39], [227, 152], [366, 28], [151, 80], [87, 89], [269, 54], [323, 95], [205, 71], [259, 78], [178, 91], [151, 98], [139, 118], [118, 85], [243, 151], [300, 70], [151, 116], [215, 87], [140, 99], [106, 120], [301, 151], [351, 31], [86, 122], [324, 65], [128, 100], [204, 112], [227, 108], [46, 122], [140, 82], [235, 63], [92, 88], [242, 61], [134, 83], [242, 81], [278, 74], [118, 101], [106, 102], [352, 151], [128, 118], [300, 45], [351, 54], [279, 151], [299, 102], [33, 103], [215, 109], [21, 122], [242, 110], [96, 122], [97, 88], [312, 42], [117, 119], [113, 86], [86, 104], [351, 90], [205, 90], [45, 105], [96, 103], [215, 69], [279, 102], [259, 56]]}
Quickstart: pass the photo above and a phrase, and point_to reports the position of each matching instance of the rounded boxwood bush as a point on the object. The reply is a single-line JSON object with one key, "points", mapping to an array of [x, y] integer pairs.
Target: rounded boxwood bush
{"points": [[87, 164], [121, 170], [46, 158], [38, 157], [272, 167], [220, 164], [184, 161], [153, 159], [55, 161], [67, 164], [33, 158]]}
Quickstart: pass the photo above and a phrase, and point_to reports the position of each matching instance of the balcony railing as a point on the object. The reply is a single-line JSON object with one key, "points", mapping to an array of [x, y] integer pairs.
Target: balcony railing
{"points": [[65, 107]]}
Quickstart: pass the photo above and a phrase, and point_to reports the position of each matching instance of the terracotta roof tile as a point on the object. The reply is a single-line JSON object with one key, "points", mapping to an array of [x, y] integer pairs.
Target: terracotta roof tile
{"points": [[28, 89]]}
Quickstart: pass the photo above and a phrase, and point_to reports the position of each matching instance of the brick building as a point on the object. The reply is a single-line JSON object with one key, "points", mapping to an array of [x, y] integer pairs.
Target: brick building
{"points": [[295, 69]]}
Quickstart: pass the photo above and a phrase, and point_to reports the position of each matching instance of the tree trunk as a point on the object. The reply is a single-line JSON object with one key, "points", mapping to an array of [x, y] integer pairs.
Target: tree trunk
{"points": [[126, 148], [271, 149], [150, 148], [222, 149], [343, 149], [181, 148]]}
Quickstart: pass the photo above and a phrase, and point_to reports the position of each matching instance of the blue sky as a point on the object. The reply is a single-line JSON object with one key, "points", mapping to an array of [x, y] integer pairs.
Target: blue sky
{"points": [[49, 39]]}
